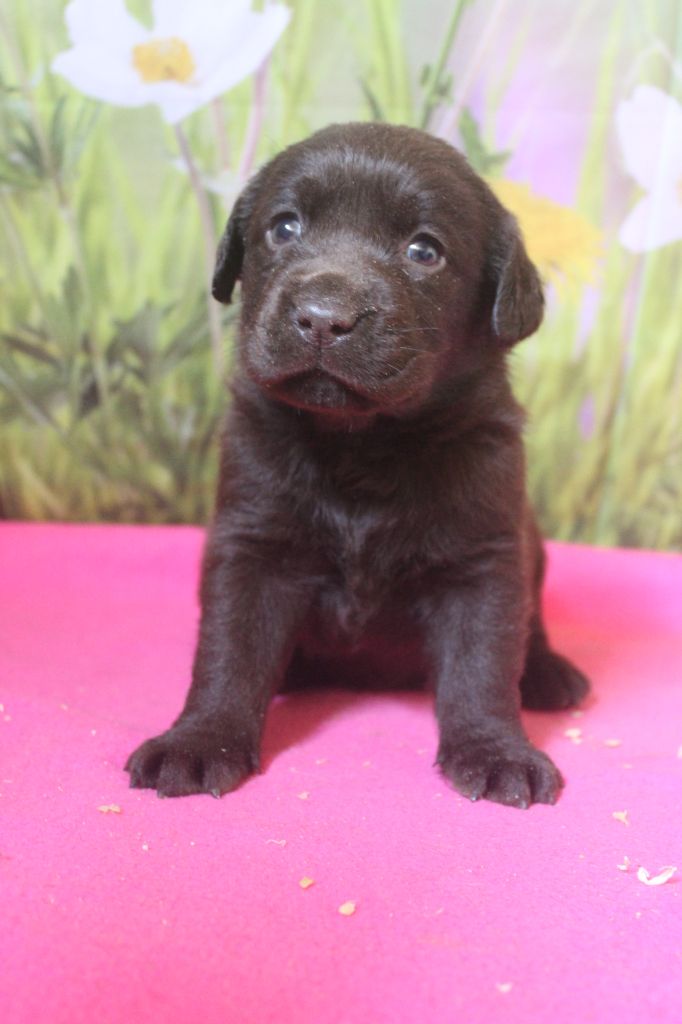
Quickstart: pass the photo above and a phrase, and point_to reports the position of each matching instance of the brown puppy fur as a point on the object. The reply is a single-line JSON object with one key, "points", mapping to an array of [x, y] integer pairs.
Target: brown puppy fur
{"points": [[371, 525]]}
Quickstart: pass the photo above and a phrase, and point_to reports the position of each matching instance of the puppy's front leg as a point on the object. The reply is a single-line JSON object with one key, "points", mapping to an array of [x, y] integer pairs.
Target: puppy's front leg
{"points": [[476, 633], [248, 622]]}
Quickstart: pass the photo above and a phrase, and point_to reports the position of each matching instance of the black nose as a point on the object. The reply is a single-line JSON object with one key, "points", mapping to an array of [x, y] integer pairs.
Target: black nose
{"points": [[324, 322]]}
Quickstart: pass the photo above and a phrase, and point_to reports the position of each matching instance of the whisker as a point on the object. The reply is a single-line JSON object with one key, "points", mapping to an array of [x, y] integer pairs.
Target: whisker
{"points": [[410, 330], [413, 349]]}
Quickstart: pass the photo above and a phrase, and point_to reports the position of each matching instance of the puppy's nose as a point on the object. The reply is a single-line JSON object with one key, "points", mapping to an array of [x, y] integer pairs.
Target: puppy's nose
{"points": [[324, 322]]}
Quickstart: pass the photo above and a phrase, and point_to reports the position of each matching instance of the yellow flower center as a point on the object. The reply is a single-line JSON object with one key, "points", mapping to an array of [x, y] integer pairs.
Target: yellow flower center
{"points": [[164, 60]]}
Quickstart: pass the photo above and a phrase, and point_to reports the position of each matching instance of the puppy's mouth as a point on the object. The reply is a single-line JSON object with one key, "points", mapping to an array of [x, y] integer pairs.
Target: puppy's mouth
{"points": [[317, 391], [348, 382]]}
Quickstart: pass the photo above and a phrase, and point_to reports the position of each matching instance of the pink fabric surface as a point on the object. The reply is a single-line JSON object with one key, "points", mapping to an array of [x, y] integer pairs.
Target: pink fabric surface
{"points": [[191, 910]]}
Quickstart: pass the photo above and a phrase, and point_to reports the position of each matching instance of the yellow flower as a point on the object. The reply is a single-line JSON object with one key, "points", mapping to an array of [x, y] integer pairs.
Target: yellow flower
{"points": [[562, 244]]}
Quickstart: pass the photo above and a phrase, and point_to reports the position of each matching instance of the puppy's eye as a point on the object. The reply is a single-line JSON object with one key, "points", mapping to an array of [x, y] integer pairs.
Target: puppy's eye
{"points": [[286, 228], [424, 250]]}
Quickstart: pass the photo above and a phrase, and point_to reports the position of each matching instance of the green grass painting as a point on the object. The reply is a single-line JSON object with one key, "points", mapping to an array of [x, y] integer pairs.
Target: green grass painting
{"points": [[116, 179]]}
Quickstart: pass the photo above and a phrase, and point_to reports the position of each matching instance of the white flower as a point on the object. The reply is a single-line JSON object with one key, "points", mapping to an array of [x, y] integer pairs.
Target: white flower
{"points": [[194, 52], [649, 127]]}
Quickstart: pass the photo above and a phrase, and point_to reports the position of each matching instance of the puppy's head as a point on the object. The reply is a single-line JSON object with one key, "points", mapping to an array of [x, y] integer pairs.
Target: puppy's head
{"points": [[376, 267]]}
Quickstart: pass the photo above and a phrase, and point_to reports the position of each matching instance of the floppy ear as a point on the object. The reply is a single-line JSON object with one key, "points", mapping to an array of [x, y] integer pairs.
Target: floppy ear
{"points": [[230, 254], [229, 258], [519, 301]]}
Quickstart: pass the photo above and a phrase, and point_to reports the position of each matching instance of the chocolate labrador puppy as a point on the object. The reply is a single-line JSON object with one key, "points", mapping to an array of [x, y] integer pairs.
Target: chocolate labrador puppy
{"points": [[372, 526]]}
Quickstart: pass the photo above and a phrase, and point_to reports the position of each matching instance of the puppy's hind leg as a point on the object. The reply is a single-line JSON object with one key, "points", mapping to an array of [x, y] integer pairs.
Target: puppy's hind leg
{"points": [[549, 682]]}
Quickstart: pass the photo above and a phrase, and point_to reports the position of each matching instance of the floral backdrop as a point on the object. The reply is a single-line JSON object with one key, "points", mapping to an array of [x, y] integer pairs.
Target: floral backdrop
{"points": [[127, 130]]}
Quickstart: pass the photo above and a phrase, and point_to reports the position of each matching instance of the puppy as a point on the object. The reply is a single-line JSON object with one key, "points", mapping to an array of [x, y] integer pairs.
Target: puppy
{"points": [[371, 525]]}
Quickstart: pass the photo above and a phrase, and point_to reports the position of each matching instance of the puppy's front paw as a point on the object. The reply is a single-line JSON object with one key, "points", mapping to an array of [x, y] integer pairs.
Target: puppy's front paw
{"points": [[191, 759], [507, 770]]}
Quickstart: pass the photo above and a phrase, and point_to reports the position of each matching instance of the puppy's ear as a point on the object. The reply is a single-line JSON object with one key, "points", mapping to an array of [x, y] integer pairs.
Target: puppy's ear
{"points": [[230, 254], [519, 302]]}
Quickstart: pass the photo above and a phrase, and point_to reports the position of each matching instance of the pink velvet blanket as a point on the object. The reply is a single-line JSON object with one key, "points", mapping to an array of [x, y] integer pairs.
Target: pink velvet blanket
{"points": [[419, 906]]}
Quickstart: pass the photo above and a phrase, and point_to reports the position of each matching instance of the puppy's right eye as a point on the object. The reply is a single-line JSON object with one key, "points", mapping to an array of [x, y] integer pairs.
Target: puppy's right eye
{"points": [[286, 228]]}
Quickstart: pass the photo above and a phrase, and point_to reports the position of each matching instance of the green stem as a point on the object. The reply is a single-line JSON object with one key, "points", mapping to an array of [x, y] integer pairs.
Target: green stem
{"points": [[206, 219], [255, 124], [450, 119], [222, 141], [605, 516], [433, 97]]}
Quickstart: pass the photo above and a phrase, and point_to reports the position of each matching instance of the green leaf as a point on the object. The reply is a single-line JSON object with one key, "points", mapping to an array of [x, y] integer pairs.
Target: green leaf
{"points": [[29, 348], [374, 105], [479, 156]]}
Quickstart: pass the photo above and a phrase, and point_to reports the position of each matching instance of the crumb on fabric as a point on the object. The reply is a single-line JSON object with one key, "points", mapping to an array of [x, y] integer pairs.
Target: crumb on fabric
{"points": [[621, 816], [277, 842], [625, 866], [306, 882], [347, 908], [109, 809], [663, 876]]}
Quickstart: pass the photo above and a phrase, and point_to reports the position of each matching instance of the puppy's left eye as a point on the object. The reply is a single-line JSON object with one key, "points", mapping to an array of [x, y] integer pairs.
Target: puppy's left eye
{"points": [[425, 251], [285, 228]]}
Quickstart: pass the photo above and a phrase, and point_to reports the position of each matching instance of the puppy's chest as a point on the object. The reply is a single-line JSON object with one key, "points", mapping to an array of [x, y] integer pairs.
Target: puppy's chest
{"points": [[350, 602], [369, 561], [374, 537]]}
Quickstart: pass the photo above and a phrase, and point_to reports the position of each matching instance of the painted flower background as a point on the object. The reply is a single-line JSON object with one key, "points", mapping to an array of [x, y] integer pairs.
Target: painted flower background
{"points": [[190, 54], [129, 129], [649, 127]]}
